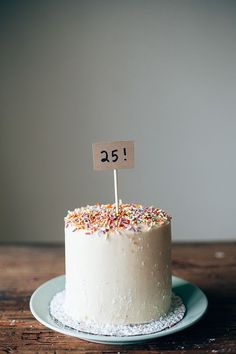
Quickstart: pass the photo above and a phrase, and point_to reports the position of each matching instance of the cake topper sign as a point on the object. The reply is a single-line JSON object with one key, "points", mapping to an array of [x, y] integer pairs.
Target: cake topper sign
{"points": [[113, 156]]}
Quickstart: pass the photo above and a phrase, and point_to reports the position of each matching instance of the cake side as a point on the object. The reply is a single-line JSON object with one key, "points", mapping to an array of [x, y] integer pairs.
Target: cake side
{"points": [[121, 276]]}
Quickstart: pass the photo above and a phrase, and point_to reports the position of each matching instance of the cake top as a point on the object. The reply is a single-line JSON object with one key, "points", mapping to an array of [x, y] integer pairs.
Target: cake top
{"points": [[103, 218]]}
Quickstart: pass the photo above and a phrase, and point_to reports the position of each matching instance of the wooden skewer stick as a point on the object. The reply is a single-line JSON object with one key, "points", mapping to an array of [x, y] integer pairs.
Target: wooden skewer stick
{"points": [[116, 190]]}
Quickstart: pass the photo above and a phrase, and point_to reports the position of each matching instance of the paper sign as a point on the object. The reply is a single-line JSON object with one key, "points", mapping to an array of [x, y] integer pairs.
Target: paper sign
{"points": [[113, 155]]}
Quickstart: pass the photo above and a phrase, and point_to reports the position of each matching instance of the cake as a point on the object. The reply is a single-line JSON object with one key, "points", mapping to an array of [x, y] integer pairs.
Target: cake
{"points": [[118, 266]]}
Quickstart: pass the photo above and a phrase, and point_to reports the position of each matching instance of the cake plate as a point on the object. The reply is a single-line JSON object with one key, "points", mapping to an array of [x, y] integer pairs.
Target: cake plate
{"points": [[193, 298]]}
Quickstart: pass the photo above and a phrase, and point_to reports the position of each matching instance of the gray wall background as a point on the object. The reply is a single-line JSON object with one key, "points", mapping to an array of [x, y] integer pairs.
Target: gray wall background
{"points": [[161, 73]]}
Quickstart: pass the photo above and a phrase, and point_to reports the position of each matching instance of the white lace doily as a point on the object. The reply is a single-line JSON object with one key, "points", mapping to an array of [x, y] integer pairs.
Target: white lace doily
{"points": [[57, 312]]}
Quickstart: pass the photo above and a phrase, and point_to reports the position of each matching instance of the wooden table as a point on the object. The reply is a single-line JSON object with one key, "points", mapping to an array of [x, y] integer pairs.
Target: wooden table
{"points": [[211, 266]]}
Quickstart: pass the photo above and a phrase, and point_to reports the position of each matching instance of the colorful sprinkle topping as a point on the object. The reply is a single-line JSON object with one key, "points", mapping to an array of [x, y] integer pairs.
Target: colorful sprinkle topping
{"points": [[103, 218]]}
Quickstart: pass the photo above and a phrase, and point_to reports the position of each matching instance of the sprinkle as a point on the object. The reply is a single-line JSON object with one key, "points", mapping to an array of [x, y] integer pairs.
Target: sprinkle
{"points": [[103, 218]]}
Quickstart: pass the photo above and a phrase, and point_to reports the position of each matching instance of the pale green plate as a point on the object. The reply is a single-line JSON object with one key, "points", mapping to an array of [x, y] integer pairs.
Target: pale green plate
{"points": [[193, 298]]}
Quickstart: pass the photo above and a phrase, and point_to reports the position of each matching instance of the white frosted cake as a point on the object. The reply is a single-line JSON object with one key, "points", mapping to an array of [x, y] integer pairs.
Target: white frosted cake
{"points": [[118, 267]]}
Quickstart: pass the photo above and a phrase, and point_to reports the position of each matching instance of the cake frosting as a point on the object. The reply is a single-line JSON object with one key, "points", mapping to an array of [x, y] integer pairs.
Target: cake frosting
{"points": [[118, 266]]}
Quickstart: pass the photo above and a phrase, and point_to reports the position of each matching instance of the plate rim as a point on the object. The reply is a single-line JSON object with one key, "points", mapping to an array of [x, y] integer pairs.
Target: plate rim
{"points": [[105, 339]]}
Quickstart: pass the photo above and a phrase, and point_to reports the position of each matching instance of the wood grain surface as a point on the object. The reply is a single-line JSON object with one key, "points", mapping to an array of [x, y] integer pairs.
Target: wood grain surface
{"points": [[211, 266]]}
